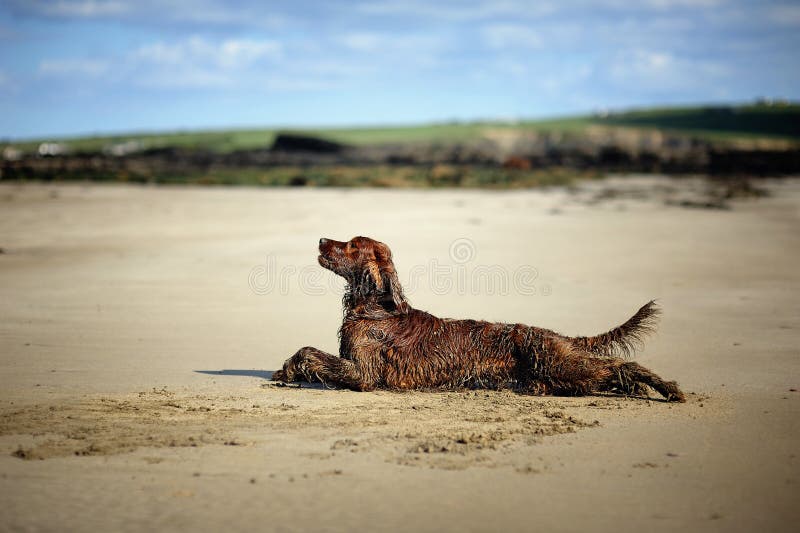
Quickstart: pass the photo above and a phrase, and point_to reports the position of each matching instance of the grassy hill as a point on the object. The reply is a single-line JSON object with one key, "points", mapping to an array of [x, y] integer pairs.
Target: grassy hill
{"points": [[720, 123], [226, 141], [777, 120]]}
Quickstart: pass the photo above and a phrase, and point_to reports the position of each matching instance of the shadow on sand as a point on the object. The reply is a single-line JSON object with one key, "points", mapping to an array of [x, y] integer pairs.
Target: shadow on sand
{"points": [[267, 375], [264, 374]]}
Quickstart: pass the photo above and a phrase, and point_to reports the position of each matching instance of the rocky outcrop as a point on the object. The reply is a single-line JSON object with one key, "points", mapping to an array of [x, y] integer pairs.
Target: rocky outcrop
{"points": [[606, 150]]}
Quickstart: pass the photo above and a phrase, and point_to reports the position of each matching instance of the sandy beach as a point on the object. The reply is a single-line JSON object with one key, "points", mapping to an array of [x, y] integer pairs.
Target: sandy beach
{"points": [[139, 327]]}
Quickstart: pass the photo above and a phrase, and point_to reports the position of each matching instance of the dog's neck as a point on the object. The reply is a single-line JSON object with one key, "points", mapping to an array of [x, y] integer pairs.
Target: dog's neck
{"points": [[363, 301]]}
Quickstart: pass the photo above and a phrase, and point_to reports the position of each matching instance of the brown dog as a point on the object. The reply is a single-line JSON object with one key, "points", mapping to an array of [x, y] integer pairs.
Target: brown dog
{"points": [[385, 343]]}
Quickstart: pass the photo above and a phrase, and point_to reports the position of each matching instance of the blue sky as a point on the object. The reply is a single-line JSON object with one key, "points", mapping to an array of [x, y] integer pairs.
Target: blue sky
{"points": [[70, 67]]}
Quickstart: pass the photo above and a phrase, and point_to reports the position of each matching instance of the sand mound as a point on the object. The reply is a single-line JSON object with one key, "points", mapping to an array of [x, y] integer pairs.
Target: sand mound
{"points": [[447, 429]]}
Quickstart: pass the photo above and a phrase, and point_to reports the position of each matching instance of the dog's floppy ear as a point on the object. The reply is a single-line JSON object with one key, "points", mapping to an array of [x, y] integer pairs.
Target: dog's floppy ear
{"points": [[389, 283], [395, 290], [375, 273]]}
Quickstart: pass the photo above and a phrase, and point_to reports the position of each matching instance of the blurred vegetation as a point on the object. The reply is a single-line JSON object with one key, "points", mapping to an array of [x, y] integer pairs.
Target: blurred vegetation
{"points": [[774, 121], [781, 120], [227, 157], [389, 176]]}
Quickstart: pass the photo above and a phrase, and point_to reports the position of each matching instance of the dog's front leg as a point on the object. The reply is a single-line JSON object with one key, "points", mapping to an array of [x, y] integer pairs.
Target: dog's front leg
{"points": [[313, 365]]}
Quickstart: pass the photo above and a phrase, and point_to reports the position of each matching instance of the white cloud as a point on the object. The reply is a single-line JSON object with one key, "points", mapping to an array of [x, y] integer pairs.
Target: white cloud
{"points": [[785, 15], [161, 53], [227, 54], [328, 67], [185, 78], [639, 47], [644, 65], [501, 36], [458, 11], [234, 53], [363, 42], [251, 14], [512, 68], [83, 8], [568, 79], [514, 10], [83, 67], [257, 14], [663, 71], [192, 63], [671, 4], [214, 12], [200, 63], [375, 52], [653, 62], [401, 45], [282, 83]]}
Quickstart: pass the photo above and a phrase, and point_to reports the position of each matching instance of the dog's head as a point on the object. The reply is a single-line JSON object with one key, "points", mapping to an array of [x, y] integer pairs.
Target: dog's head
{"points": [[367, 266]]}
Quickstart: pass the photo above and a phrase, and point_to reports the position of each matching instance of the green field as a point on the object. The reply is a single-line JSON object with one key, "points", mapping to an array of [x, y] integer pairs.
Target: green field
{"points": [[716, 123], [226, 141], [775, 121]]}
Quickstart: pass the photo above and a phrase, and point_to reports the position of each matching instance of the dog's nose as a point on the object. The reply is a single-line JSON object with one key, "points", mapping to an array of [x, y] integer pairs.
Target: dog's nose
{"points": [[323, 241]]}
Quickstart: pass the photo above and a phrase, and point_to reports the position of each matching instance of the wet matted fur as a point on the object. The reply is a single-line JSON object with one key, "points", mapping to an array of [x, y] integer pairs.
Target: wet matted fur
{"points": [[387, 344]]}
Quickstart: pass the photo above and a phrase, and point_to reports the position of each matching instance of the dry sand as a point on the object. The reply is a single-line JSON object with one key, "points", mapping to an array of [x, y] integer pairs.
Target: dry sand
{"points": [[135, 352]]}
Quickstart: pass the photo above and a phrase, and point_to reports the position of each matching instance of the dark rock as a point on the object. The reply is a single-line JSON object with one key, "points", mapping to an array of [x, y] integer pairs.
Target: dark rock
{"points": [[290, 142]]}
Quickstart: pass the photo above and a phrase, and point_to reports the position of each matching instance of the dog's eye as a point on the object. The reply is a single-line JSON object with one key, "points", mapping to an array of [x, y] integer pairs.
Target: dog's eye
{"points": [[354, 246]]}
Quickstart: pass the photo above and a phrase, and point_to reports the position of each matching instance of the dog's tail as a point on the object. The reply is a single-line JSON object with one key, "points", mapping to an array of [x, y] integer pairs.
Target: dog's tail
{"points": [[625, 339]]}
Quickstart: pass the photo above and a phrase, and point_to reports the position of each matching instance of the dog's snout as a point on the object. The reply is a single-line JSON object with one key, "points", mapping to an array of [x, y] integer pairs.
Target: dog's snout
{"points": [[322, 241]]}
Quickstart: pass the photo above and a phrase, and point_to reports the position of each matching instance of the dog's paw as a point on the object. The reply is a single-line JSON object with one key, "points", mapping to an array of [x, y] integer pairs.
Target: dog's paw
{"points": [[677, 397], [287, 374], [674, 394]]}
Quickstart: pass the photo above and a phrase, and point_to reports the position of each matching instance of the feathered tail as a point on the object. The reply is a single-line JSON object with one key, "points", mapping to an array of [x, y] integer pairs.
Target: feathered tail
{"points": [[625, 339]]}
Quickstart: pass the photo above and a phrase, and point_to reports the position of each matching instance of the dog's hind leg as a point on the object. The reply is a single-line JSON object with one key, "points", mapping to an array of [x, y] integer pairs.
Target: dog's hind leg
{"points": [[628, 377], [557, 366], [552, 365]]}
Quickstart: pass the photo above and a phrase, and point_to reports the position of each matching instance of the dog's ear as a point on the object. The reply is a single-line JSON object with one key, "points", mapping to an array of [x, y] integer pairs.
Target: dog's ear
{"points": [[390, 283], [375, 273], [395, 290]]}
